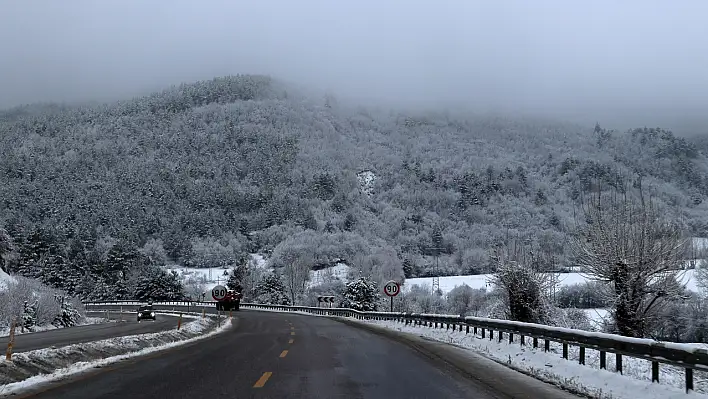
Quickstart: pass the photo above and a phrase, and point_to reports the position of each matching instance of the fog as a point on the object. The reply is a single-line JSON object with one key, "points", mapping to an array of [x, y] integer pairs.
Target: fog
{"points": [[620, 62]]}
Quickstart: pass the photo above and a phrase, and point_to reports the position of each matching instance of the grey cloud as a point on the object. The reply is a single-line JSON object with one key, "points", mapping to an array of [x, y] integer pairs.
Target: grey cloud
{"points": [[580, 59]]}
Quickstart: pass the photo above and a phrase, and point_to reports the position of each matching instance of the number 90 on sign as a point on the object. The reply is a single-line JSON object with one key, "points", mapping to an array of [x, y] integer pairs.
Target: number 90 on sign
{"points": [[218, 292], [392, 288]]}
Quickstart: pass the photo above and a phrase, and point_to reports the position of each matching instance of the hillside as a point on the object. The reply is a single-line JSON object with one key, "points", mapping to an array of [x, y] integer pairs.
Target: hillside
{"points": [[205, 173]]}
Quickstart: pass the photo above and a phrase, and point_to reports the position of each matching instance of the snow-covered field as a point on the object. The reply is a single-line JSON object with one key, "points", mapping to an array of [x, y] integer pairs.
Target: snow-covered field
{"points": [[339, 271], [447, 284], [210, 277], [32, 368]]}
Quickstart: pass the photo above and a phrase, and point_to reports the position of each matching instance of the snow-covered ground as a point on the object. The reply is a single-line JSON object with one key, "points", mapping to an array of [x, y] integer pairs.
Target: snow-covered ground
{"points": [[59, 363], [329, 274], [4, 279], [213, 276], [483, 281], [588, 379]]}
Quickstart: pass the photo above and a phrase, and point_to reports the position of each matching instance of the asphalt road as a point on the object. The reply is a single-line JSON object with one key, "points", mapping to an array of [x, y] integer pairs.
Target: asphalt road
{"points": [[92, 332], [274, 355]]}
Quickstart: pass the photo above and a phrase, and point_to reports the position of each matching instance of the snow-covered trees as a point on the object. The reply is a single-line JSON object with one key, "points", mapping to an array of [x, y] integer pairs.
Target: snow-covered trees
{"points": [[155, 284], [271, 290], [6, 248], [523, 289], [361, 294], [628, 243]]}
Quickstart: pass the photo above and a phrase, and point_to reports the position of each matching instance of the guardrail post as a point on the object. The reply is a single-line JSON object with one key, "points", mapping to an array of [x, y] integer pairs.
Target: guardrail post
{"points": [[523, 340], [179, 321], [467, 330], [603, 360], [655, 372], [491, 334], [547, 345], [484, 332], [618, 363], [11, 340], [501, 336], [581, 356], [535, 342], [511, 338], [565, 350], [689, 380]]}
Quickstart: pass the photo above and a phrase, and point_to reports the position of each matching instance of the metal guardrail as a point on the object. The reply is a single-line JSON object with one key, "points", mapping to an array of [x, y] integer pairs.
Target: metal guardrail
{"points": [[682, 355]]}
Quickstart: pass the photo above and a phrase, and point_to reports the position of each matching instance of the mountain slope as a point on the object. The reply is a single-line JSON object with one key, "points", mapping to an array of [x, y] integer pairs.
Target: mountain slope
{"points": [[213, 170]]}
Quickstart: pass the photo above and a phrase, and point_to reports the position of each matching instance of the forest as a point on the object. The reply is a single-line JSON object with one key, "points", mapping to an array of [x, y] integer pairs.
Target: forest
{"points": [[94, 198]]}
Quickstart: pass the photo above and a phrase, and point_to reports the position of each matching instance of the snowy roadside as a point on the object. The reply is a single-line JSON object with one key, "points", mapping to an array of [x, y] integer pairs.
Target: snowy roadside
{"points": [[44, 365], [588, 380]]}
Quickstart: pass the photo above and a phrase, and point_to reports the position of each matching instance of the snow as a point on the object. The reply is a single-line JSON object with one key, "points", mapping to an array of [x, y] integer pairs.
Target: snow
{"points": [[366, 179], [5, 279], [340, 271], [551, 367], [448, 283], [80, 367], [212, 276]]}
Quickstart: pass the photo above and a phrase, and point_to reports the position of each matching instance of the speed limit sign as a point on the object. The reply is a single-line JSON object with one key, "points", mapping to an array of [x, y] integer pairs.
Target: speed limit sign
{"points": [[218, 293], [392, 288]]}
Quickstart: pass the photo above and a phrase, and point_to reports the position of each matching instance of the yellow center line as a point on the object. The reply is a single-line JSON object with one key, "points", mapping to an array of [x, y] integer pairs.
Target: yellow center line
{"points": [[292, 333], [291, 341], [284, 353], [262, 381]]}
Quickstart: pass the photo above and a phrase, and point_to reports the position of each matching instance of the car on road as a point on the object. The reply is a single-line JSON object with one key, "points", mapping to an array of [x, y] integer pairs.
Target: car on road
{"points": [[146, 313]]}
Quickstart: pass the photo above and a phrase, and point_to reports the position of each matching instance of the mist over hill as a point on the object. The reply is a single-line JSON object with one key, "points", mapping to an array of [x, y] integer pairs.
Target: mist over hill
{"points": [[203, 173]]}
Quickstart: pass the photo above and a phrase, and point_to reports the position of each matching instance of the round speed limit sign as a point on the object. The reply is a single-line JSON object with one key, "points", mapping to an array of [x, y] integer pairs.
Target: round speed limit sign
{"points": [[392, 288], [218, 292]]}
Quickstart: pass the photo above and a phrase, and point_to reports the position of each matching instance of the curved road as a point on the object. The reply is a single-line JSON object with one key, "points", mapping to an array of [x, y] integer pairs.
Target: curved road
{"points": [[92, 332], [274, 355]]}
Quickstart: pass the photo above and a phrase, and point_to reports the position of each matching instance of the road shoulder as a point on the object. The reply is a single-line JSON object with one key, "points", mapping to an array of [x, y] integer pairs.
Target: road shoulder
{"points": [[470, 365]]}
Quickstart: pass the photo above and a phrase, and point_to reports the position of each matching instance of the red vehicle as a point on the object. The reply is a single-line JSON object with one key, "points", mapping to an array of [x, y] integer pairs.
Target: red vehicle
{"points": [[232, 301]]}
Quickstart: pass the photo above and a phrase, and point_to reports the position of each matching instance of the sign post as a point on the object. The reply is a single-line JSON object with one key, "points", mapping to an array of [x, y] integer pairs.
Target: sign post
{"points": [[392, 289]]}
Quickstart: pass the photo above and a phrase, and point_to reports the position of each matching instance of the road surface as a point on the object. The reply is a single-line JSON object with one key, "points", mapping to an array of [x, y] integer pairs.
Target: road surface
{"points": [[92, 332], [276, 355]]}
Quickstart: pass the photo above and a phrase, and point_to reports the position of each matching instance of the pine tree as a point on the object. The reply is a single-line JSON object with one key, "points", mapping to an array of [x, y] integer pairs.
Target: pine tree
{"points": [[29, 316], [271, 290], [361, 294], [67, 317], [234, 280], [407, 268]]}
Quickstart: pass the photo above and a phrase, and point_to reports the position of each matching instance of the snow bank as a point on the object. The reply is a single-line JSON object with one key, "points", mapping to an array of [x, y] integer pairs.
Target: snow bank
{"points": [[44, 365]]}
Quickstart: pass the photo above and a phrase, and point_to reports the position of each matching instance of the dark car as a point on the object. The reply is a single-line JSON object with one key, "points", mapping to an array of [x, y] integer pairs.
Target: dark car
{"points": [[146, 313]]}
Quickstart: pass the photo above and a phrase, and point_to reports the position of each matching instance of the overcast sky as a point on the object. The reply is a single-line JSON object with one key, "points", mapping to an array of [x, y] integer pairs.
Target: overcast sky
{"points": [[570, 57]]}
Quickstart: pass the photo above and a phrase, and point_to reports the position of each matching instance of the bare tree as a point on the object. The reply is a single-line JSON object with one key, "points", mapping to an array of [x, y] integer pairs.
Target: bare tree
{"points": [[626, 243], [296, 272], [523, 288]]}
